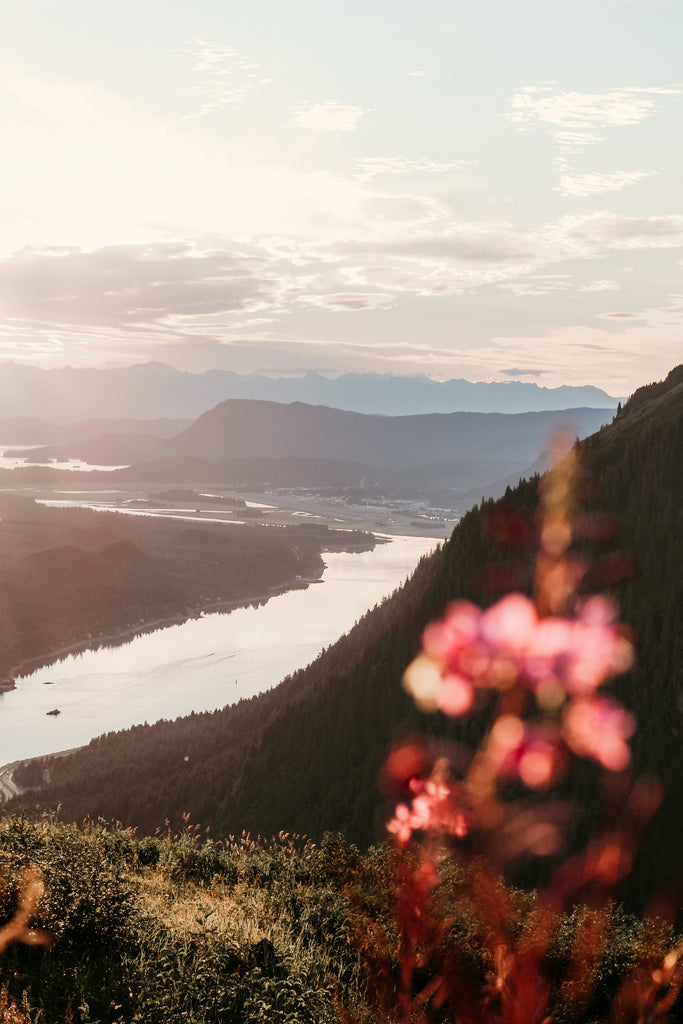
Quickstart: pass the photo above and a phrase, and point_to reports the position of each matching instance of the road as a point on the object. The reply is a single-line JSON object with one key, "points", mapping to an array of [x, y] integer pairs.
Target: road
{"points": [[8, 789]]}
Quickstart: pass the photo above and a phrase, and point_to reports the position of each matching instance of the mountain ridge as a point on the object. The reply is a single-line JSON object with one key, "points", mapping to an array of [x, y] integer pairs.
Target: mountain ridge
{"points": [[155, 391], [239, 428]]}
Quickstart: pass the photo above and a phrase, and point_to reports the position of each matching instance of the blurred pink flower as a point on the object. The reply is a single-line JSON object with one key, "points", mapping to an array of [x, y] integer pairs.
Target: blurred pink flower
{"points": [[533, 753], [455, 695], [509, 643], [435, 807], [599, 729]]}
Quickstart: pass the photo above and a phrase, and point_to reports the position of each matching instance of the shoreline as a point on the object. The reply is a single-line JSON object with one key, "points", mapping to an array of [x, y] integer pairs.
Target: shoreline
{"points": [[44, 746], [30, 665], [124, 637]]}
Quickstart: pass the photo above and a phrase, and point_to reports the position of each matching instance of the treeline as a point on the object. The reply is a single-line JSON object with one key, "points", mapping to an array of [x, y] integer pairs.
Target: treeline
{"points": [[307, 756]]}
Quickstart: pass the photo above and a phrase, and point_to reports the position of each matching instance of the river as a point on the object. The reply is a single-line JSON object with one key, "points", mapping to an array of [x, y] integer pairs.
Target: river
{"points": [[201, 665]]}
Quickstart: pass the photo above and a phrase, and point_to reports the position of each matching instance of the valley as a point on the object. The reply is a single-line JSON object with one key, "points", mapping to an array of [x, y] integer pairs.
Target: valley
{"points": [[76, 577], [261, 763]]}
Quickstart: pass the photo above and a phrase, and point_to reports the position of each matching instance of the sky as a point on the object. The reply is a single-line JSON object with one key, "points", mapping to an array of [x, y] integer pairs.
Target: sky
{"points": [[488, 189]]}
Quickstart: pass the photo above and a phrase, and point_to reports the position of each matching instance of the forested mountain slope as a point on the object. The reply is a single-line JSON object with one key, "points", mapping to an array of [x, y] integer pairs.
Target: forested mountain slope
{"points": [[307, 755]]}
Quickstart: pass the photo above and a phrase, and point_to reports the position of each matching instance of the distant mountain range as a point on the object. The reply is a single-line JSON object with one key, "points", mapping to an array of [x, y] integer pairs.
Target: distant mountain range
{"points": [[308, 445], [157, 391]]}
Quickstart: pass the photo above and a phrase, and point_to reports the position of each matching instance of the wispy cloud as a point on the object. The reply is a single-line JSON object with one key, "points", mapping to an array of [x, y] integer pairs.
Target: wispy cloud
{"points": [[223, 76], [604, 231], [539, 284], [132, 285], [574, 117], [522, 371], [376, 166], [328, 117], [341, 302], [594, 184], [600, 286], [455, 258], [621, 316]]}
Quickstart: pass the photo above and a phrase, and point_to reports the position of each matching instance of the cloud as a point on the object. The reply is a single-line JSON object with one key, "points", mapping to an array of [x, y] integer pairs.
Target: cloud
{"points": [[600, 286], [621, 316], [327, 117], [612, 352], [372, 167], [594, 184], [122, 286], [456, 258], [577, 120], [522, 371], [603, 231], [466, 243], [223, 76], [539, 284], [573, 117], [342, 302]]}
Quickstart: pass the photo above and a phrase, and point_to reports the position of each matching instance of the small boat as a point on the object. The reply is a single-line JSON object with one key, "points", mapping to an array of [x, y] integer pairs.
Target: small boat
{"points": [[55, 711]]}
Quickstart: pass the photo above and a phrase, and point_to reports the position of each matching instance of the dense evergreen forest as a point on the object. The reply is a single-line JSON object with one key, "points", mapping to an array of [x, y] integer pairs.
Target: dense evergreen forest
{"points": [[307, 756]]}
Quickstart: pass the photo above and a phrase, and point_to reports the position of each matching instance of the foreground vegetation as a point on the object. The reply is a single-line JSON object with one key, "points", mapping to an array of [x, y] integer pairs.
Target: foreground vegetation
{"points": [[170, 929]]}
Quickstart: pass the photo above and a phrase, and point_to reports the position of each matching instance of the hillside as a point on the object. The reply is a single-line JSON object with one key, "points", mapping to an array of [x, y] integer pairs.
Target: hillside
{"points": [[156, 930], [257, 443], [268, 429], [236, 428], [307, 756]]}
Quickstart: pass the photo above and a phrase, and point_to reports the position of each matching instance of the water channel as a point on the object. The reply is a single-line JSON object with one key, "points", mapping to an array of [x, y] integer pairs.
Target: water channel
{"points": [[201, 665]]}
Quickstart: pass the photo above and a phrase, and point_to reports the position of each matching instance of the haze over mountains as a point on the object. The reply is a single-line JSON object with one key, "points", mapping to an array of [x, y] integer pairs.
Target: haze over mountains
{"points": [[408, 454], [154, 391]]}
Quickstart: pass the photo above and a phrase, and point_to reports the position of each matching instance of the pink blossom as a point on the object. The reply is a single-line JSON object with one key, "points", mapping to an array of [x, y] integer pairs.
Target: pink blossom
{"points": [[455, 694], [532, 753], [508, 643], [599, 650], [599, 729], [454, 633], [509, 626], [401, 824], [435, 808]]}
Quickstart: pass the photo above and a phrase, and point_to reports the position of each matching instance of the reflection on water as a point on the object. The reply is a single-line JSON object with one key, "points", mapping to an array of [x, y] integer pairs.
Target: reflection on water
{"points": [[201, 665], [8, 460]]}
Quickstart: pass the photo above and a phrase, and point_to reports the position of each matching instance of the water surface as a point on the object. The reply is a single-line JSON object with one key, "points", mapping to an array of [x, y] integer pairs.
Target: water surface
{"points": [[202, 664]]}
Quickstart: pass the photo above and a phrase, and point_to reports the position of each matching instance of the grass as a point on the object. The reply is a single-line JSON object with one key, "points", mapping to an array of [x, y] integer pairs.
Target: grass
{"points": [[174, 928]]}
